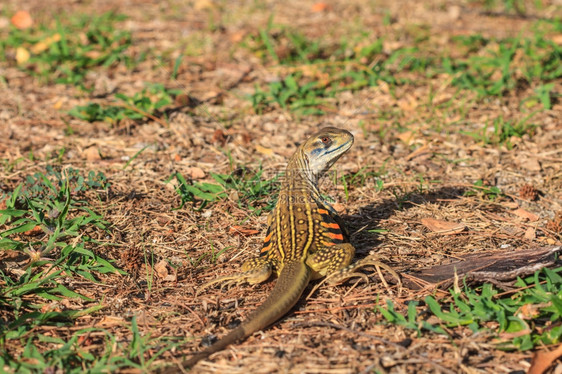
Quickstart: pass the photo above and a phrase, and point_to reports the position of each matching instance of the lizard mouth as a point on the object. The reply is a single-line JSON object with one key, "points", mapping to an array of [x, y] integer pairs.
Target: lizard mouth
{"points": [[348, 144]]}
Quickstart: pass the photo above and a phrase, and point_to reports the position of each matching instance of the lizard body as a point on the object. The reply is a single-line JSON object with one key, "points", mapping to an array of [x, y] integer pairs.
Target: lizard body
{"points": [[305, 239]]}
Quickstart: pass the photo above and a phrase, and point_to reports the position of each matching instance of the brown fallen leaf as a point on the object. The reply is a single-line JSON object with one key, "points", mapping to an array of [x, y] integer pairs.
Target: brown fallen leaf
{"points": [[51, 307], [511, 335], [531, 164], [557, 39], [195, 172], [183, 100], [526, 214], [22, 55], [45, 44], [407, 137], [219, 137], [440, 226], [510, 204], [530, 311], [338, 207], [246, 137], [320, 7], [22, 20], [420, 151], [92, 154], [263, 150], [34, 231], [237, 36], [203, 5], [530, 233], [161, 269], [542, 360], [241, 230], [110, 321]]}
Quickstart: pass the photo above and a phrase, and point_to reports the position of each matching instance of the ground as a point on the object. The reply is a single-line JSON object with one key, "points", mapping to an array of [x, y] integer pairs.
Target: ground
{"points": [[184, 110]]}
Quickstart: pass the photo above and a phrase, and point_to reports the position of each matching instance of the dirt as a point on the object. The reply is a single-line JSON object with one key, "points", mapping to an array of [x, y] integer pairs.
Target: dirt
{"points": [[337, 328]]}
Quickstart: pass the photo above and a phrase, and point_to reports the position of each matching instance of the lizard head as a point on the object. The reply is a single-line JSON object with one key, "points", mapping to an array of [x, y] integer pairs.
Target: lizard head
{"points": [[323, 149]]}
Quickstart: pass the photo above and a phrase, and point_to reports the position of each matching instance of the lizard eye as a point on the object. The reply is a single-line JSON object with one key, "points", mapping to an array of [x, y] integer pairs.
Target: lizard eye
{"points": [[326, 140]]}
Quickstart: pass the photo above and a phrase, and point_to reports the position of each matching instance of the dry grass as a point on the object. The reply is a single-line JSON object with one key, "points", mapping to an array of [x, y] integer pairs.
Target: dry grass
{"points": [[428, 166]]}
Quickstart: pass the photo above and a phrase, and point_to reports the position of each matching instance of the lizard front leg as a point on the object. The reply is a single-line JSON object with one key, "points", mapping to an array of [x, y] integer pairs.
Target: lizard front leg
{"points": [[253, 271]]}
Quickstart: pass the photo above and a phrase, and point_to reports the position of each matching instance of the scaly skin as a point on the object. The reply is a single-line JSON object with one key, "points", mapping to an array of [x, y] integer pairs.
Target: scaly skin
{"points": [[305, 240]]}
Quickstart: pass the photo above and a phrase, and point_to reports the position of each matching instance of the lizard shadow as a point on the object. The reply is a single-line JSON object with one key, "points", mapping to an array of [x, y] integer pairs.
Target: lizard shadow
{"points": [[363, 225]]}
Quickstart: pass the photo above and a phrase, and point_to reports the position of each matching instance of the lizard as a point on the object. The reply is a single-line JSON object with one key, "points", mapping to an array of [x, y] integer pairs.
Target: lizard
{"points": [[305, 240]]}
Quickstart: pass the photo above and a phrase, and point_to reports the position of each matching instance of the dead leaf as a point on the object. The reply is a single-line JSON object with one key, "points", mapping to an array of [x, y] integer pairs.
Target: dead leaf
{"points": [[418, 152], [110, 321], [22, 55], [22, 20], [92, 154], [542, 360], [246, 138], [195, 172], [510, 205], [530, 311], [320, 7], [183, 100], [263, 150], [237, 36], [219, 137], [145, 318], [530, 233], [511, 335], [203, 5], [44, 44], [526, 214], [440, 226], [52, 307], [36, 230], [93, 54], [338, 207], [557, 39], [241, 230], [531, 164], [85, 340], [161, 269], [407, 137], [58, 104]]}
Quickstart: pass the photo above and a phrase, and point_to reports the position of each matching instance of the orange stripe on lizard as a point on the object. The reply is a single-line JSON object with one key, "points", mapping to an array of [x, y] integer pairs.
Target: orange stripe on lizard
{"points": [[268, 237], [323, 211], [334, 236], [266, 248], [332, 225]]}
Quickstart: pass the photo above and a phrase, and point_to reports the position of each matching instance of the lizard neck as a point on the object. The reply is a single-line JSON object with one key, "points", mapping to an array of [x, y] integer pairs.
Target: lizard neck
{"points": [[299, 178]]}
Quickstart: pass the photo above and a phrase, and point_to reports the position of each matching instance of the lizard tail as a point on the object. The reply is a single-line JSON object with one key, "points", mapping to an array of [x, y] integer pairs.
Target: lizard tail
{"points": [[289, 287]]}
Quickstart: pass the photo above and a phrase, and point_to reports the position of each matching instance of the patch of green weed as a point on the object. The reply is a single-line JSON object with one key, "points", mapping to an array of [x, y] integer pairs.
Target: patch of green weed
{"points": [[65, 49], [50, 226], [103, 352], [149, 102], [535, 308], [253, 192], [501, 131], [488, 192]]}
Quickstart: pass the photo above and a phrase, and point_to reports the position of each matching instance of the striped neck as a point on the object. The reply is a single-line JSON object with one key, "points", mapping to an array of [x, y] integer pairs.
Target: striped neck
{"points": [[299, 179]]}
